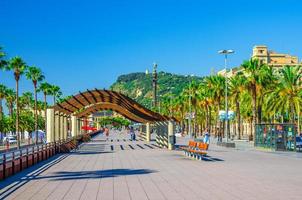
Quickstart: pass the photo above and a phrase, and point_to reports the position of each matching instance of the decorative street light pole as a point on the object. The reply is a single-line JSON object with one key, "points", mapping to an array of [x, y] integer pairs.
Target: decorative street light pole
{"points": [[226, 130], [154, 85]]}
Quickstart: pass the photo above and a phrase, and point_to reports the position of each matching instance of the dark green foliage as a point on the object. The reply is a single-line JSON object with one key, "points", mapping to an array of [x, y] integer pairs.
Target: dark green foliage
{"points": [[114, 121], [139, 85]]}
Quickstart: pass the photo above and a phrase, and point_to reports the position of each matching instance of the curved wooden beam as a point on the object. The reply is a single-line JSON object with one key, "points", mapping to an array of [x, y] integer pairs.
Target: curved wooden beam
{"points": [[84, 103]]}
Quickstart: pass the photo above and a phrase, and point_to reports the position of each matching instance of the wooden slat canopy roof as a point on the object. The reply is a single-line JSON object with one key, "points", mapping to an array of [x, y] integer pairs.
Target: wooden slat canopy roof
{"points": [[91, 101]]}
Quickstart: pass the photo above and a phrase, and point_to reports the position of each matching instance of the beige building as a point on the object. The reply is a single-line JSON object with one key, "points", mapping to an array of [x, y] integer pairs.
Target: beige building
{"points": [[268, 57], [272, 58], [231, 72]]}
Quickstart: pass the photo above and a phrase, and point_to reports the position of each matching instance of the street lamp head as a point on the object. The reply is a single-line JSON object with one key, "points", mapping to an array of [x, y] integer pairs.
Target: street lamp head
{"points": [[226, 51], [230, 51]]}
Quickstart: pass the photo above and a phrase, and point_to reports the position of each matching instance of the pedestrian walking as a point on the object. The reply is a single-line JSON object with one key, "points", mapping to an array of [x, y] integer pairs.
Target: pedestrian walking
{"points": [[106, 133], [132, 134], [206, 137]]}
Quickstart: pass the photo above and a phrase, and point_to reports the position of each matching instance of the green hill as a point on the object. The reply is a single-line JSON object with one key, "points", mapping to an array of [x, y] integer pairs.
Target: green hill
{"points": [[139, 85]]}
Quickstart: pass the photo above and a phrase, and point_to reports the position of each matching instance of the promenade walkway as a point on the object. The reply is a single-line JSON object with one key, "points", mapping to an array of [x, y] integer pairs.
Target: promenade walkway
{"points": [[122, 169]]}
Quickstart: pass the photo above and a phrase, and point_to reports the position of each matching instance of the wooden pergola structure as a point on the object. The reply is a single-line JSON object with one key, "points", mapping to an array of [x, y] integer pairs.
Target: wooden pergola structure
{"points": [[86, 103], [66, 119]]}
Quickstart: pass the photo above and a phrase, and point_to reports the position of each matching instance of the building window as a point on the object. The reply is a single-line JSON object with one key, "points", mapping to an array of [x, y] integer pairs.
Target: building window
{"points": [[261, 51]]}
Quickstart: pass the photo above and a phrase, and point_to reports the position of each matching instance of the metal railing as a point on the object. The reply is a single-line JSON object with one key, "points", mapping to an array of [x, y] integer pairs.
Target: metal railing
{"points": [[7, 146], [14, 161]]}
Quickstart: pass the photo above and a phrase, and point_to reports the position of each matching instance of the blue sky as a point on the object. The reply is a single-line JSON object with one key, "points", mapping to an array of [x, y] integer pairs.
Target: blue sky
{"points": [[87, 44]]}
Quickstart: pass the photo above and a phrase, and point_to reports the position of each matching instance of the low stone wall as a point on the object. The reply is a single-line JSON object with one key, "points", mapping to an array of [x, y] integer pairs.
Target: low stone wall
{"points": [[226, 144]]}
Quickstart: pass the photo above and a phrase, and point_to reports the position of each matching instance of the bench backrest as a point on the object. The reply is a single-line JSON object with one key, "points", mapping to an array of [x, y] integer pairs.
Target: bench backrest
{"points": [[203, 146], [192, 144]]}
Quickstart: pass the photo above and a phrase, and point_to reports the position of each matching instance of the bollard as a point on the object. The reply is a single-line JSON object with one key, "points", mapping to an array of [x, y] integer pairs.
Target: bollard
{"points": [[42, 149], [38, 154], [7, 145], [26, 157], [33, 155], [20, 158], [13, 162], [4, 165], [47, 151]]}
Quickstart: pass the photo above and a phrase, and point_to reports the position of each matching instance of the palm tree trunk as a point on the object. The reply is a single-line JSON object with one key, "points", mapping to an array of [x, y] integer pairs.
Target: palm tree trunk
{"points": [[251, 127], [36, 114], [254, 101], [195, 122], [187, 126], [17, 112], [45, 113], [292, 110], [1, 109], [207, 117], [215, 125], [259, 113], [298, 116], [238, 118], [210, 116], [11, 108], [219, 122]]}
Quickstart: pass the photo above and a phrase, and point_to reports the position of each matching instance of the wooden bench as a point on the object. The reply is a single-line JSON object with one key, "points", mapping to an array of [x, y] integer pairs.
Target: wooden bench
{"points": [[196, 150], [191, 146]]}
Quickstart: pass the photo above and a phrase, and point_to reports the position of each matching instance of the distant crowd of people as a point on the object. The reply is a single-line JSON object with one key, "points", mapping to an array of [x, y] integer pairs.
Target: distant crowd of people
{"points": [[130, 131]]}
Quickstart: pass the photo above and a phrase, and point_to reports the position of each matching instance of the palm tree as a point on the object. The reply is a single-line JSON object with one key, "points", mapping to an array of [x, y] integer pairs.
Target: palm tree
{"points": [[2, 61], [216, 84], [45, 88], [236, 88], [26, 101], [17, 65], [10, 99], [40, 107], [35, 75], [3, 90], [194, 87], [206, 102], [287, 95], [180, 110], [55, 92], [253, 70]]}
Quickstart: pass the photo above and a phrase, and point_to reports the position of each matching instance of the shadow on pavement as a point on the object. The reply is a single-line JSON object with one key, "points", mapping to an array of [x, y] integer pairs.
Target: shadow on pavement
{"points": [[89, 152], [97, 140], [211, 159], [9, 185], [66, 175]]}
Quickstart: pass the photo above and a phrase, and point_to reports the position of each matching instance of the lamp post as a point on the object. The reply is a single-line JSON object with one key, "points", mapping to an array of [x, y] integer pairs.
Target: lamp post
{"points": [[225, 53], [190, 109]]}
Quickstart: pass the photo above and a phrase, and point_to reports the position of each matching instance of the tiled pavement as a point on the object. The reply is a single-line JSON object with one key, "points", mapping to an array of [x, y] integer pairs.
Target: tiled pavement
{"points": [[123, 169]]}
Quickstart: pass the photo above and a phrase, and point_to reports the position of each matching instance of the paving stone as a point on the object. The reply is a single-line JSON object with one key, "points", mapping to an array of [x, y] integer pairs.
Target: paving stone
{"points": [[133, 170]]}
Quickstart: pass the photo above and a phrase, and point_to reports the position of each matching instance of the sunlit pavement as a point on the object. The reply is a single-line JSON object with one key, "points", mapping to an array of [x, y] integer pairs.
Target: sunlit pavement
{"points": [[121, 169]]}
